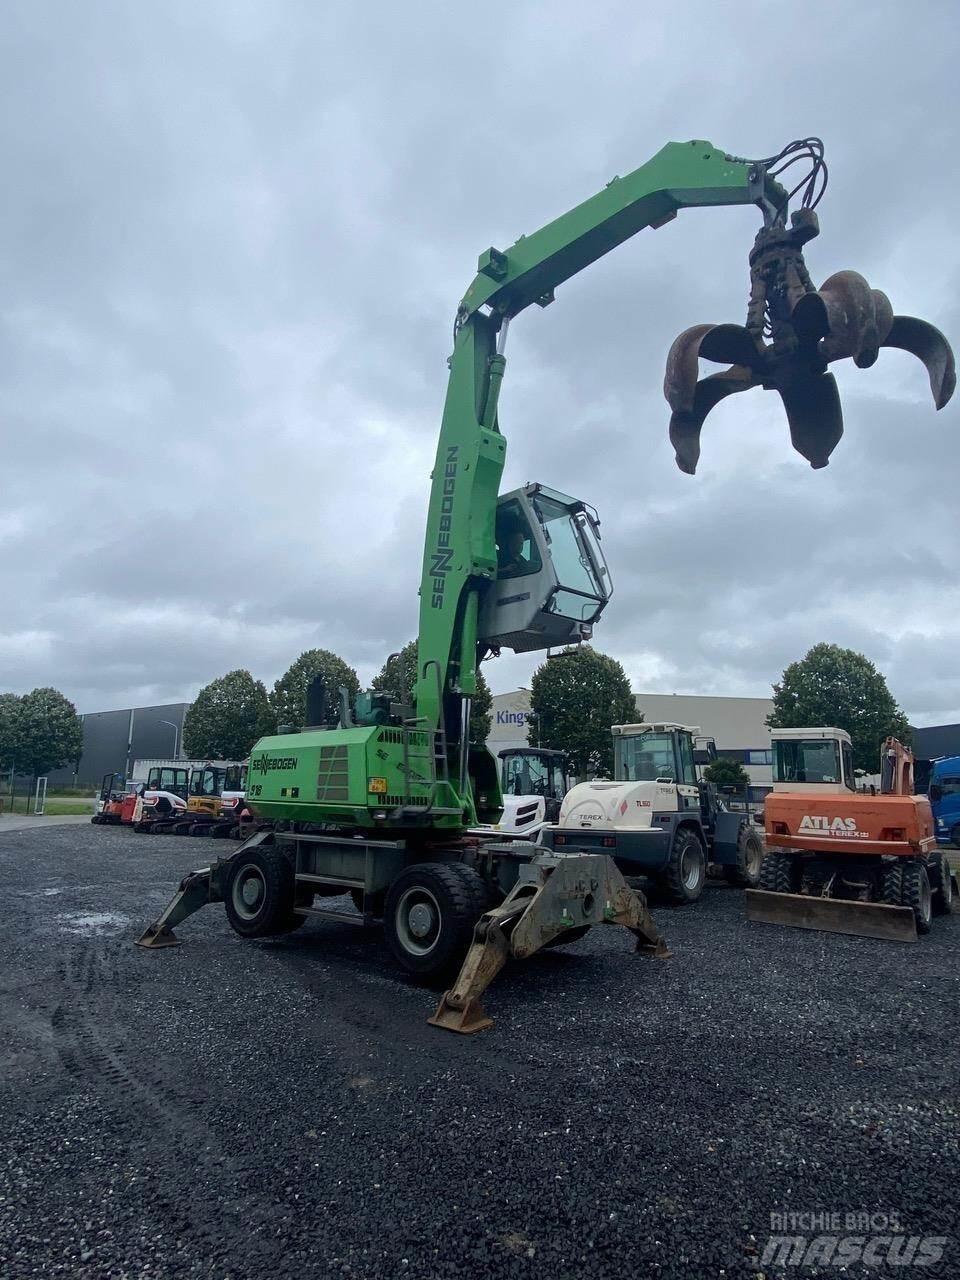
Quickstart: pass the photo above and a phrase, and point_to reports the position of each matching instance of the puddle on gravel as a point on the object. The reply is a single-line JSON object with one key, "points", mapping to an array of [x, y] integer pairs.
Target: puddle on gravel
{"points": [[92, 923]]}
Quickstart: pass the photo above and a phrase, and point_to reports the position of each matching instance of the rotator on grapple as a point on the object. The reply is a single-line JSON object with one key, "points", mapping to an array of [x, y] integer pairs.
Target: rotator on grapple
{"points": [[382, 798]]}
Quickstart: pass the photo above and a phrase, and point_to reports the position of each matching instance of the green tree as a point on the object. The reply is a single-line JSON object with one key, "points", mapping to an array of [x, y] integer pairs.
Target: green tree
{"points": [[227, 717], [398, 675], [9, 703], [47, 732], [724, 772], [840, 688], [574, 699], [288, 697]]}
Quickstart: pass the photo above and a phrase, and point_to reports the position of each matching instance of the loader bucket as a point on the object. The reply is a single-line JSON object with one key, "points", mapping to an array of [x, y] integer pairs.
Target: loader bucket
{"points": [[832, 915], [807, 329]]}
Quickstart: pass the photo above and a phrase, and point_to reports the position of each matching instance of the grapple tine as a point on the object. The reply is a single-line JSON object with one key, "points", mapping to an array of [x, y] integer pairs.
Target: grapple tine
{"points": [[812, 402], [852, 318], [680, 379], [928, 344], [685, 426]]}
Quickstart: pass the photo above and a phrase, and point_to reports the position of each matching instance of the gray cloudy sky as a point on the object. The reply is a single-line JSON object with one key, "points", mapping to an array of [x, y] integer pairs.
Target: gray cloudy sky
{"points": [[234, 238]]}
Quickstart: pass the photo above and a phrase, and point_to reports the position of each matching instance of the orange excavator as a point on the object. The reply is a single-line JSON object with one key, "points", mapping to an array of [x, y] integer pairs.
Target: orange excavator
{"points": [[843, 860]]}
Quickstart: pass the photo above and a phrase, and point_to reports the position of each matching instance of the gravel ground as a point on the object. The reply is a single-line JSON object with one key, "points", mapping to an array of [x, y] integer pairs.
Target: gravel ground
{"points": [[252, 1109]]}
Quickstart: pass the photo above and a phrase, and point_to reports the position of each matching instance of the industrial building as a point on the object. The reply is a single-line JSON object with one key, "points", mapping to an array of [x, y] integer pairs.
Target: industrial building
{"points": [[738, 724], [112, 740]]}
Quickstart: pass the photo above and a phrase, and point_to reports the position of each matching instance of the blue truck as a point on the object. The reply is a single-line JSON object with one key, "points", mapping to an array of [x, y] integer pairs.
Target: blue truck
{"points": [[944, 793]]}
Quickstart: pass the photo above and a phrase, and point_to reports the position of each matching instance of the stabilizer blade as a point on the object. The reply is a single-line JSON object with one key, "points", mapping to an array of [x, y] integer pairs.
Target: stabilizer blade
{"points": [[832, 915], [928, 344]]}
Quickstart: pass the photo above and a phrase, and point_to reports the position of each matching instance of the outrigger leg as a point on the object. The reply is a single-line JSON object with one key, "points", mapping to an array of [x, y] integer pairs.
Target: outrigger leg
{"points": [[553, 894]]}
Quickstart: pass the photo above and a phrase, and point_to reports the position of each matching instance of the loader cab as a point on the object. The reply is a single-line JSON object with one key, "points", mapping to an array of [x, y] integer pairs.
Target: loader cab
{"points": [[535, 771], [552, 580], [815, 760], [655, 753]]}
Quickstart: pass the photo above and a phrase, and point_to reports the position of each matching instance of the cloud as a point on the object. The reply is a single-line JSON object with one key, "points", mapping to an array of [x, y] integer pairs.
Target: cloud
{"points": [[236, 236]]}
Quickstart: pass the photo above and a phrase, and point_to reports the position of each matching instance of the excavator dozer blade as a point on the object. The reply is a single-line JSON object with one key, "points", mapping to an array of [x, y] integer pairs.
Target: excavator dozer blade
{"points": [[832, 915], [554, 894]]}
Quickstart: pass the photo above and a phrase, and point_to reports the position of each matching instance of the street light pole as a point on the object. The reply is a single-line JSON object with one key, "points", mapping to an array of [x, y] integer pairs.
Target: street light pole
{"points": [[176, 737]]}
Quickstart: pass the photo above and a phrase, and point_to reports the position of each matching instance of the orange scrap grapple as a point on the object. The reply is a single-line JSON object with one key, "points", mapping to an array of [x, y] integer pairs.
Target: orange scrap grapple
{"points": [[843, 860]]}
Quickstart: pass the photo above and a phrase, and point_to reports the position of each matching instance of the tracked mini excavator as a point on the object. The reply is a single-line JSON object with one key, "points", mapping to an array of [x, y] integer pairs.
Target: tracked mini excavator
{"points": [[381, 806]]}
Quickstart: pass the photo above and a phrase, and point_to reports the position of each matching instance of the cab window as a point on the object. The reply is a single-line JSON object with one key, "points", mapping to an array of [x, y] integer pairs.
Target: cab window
{"points": [[517, 554], [688, 771]]}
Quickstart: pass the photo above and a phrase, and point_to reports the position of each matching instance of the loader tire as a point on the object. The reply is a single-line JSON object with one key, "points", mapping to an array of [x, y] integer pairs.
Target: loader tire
{"points": [[779, 873], [260, 894], [429, 917], [917, 894], [891, 883], [746, 873], [938, 869], [686, 872]]}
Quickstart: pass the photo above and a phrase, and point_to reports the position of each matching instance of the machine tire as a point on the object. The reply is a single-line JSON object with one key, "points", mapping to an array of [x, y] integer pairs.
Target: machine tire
{"points": [[938, 870], [779, 873], [746, 873], [955, 836], [445, 898], [891, 883], [917, 893], [686, 872], [266, 908]]}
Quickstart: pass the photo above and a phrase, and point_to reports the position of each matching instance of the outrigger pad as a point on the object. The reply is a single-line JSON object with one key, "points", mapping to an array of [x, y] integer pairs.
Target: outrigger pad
{"points": [[807, 330], [158, 935]]}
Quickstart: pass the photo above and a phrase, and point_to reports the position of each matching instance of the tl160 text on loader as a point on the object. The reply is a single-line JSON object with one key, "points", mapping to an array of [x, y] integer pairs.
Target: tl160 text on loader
{"points": [[382, 804]]}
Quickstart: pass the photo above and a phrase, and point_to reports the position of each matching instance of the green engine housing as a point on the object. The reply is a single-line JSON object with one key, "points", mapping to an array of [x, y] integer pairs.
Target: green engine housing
{"points": [[364, 776]]}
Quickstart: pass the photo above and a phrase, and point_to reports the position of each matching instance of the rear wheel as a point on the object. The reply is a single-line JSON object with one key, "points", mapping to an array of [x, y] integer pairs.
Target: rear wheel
{"points": [[260, 894], [746, 873], [686, 873], [955, 836], [917, 894], [779, 873], [938, 869], [429, 916]]}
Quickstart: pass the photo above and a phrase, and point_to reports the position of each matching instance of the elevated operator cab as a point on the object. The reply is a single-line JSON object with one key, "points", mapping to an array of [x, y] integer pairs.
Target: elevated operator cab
{"points": [[552, 579]]}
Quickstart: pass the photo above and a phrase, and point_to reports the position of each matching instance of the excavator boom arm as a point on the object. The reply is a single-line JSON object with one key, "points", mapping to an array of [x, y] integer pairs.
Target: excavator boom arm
{"points": [[459, 549]]}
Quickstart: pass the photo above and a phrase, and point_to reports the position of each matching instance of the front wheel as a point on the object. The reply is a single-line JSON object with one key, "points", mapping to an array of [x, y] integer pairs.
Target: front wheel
{"points": [[917, 894], [260, 894], [746, 873], [686, 872], [779, 873], [429, 916]]}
